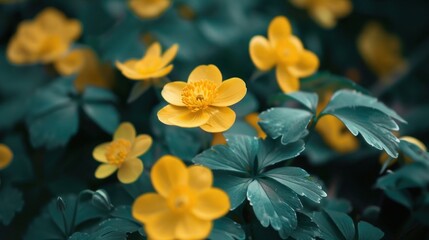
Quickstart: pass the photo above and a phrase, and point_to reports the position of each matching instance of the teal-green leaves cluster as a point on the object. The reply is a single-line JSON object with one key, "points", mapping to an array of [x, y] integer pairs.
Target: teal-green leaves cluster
{"points": [[243, 169]]}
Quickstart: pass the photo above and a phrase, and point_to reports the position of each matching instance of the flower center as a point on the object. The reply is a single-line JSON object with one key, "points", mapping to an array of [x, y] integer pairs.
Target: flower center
{"points": [[180, 199], [117, 151], [287, 52], [199, 95]]}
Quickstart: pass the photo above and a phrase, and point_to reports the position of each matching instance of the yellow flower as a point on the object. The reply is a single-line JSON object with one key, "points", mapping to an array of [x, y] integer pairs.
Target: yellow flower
{"points": [[85, 63], [334, 132], [44, 39], [185, 205], [6, 156], [149, 8], [380, 50], [383, 157], [203, 101], [325, 12], [122, 153], [284, 51], [153, 65], [253, 119]]}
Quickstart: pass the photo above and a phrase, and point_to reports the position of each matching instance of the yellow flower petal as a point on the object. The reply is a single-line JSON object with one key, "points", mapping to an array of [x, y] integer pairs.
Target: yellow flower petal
{"points": [[172, 93], [211, 204], [200, 178], [279, 28], [191, 227], [130, 170], [125, 131], [286, 81], [127, 71], [206, 72], [221, 119], [157, 74], [105, 170], [306, 65], [230, 92], [71, 63], [261, 53], [154, 51], [190, 119], [169, 55], [99, 152], [170, 111], [334, 134], [324, 17], [6, 156], [149, 206], [168, 172], [163, 226], [218, 139], [149, 8], [142, 143]]}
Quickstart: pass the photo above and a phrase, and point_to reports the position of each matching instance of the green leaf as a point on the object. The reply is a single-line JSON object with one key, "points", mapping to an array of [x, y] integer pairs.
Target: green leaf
{"points": [[53, 118], [365, 115], [274, 204], [80, 236], [308, 99], [413, 151], [138, 89], [183, 142], [272, 152], [11, 202], [409, 176], [299, 181], [307, 229], [246, 106], [226, 229], [287, 123], [367, 231], [238, 156], [325, 81], [21, 168], [99, 106], [235, 186], [343, 222]]}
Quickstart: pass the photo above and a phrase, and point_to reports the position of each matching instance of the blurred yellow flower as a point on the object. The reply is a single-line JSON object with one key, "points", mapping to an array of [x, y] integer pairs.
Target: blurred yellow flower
{"points": [[44, 39], [149, 8], [122, 153], [325, 12], [333, 132], [284, 51], [152, 65], [6, 156], [380, 50], [384, 157], [203, 101], [185, 205], [86, 64]]}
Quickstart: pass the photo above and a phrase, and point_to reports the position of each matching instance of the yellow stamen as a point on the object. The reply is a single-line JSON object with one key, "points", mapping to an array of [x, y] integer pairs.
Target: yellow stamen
{"points": [[117, 151], [199, 95]]}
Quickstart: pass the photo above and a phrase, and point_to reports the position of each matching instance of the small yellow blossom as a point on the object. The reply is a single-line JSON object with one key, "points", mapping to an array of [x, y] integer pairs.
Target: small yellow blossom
{"points": [[44, 39], [383, 157], [203, 101], [149, 8], [325, 12], [185, 205], [380, 50], [284, 51], [152, 65], [333, 131], [86, 64], [122, 153], [6, 156]]}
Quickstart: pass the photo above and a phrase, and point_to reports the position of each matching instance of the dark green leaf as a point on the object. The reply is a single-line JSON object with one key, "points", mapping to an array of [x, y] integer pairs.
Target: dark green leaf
{"points": [[11, 202], [226, 229], [409, 176], [272, 152], [98, 105], [139, 88], [235, 186], [307, 99], [287, 123], [325, 81], [299, 181], [246, 106], [307, 229], [412, 151], [367, 231]]}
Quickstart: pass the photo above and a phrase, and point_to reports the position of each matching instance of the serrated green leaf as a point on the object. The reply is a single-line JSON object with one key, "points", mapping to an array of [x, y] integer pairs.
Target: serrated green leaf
{"points": [[367, 231], [308, 99], [413, 151], [99, 106], [307, 229], [374, 126], [272, 152], [274, 204], [287, 123], [226, 229], [11, 202], [325, 81], [329, 230], [80, 236], [409, 176], [299, 181], [234, 186], [53, 118]]}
